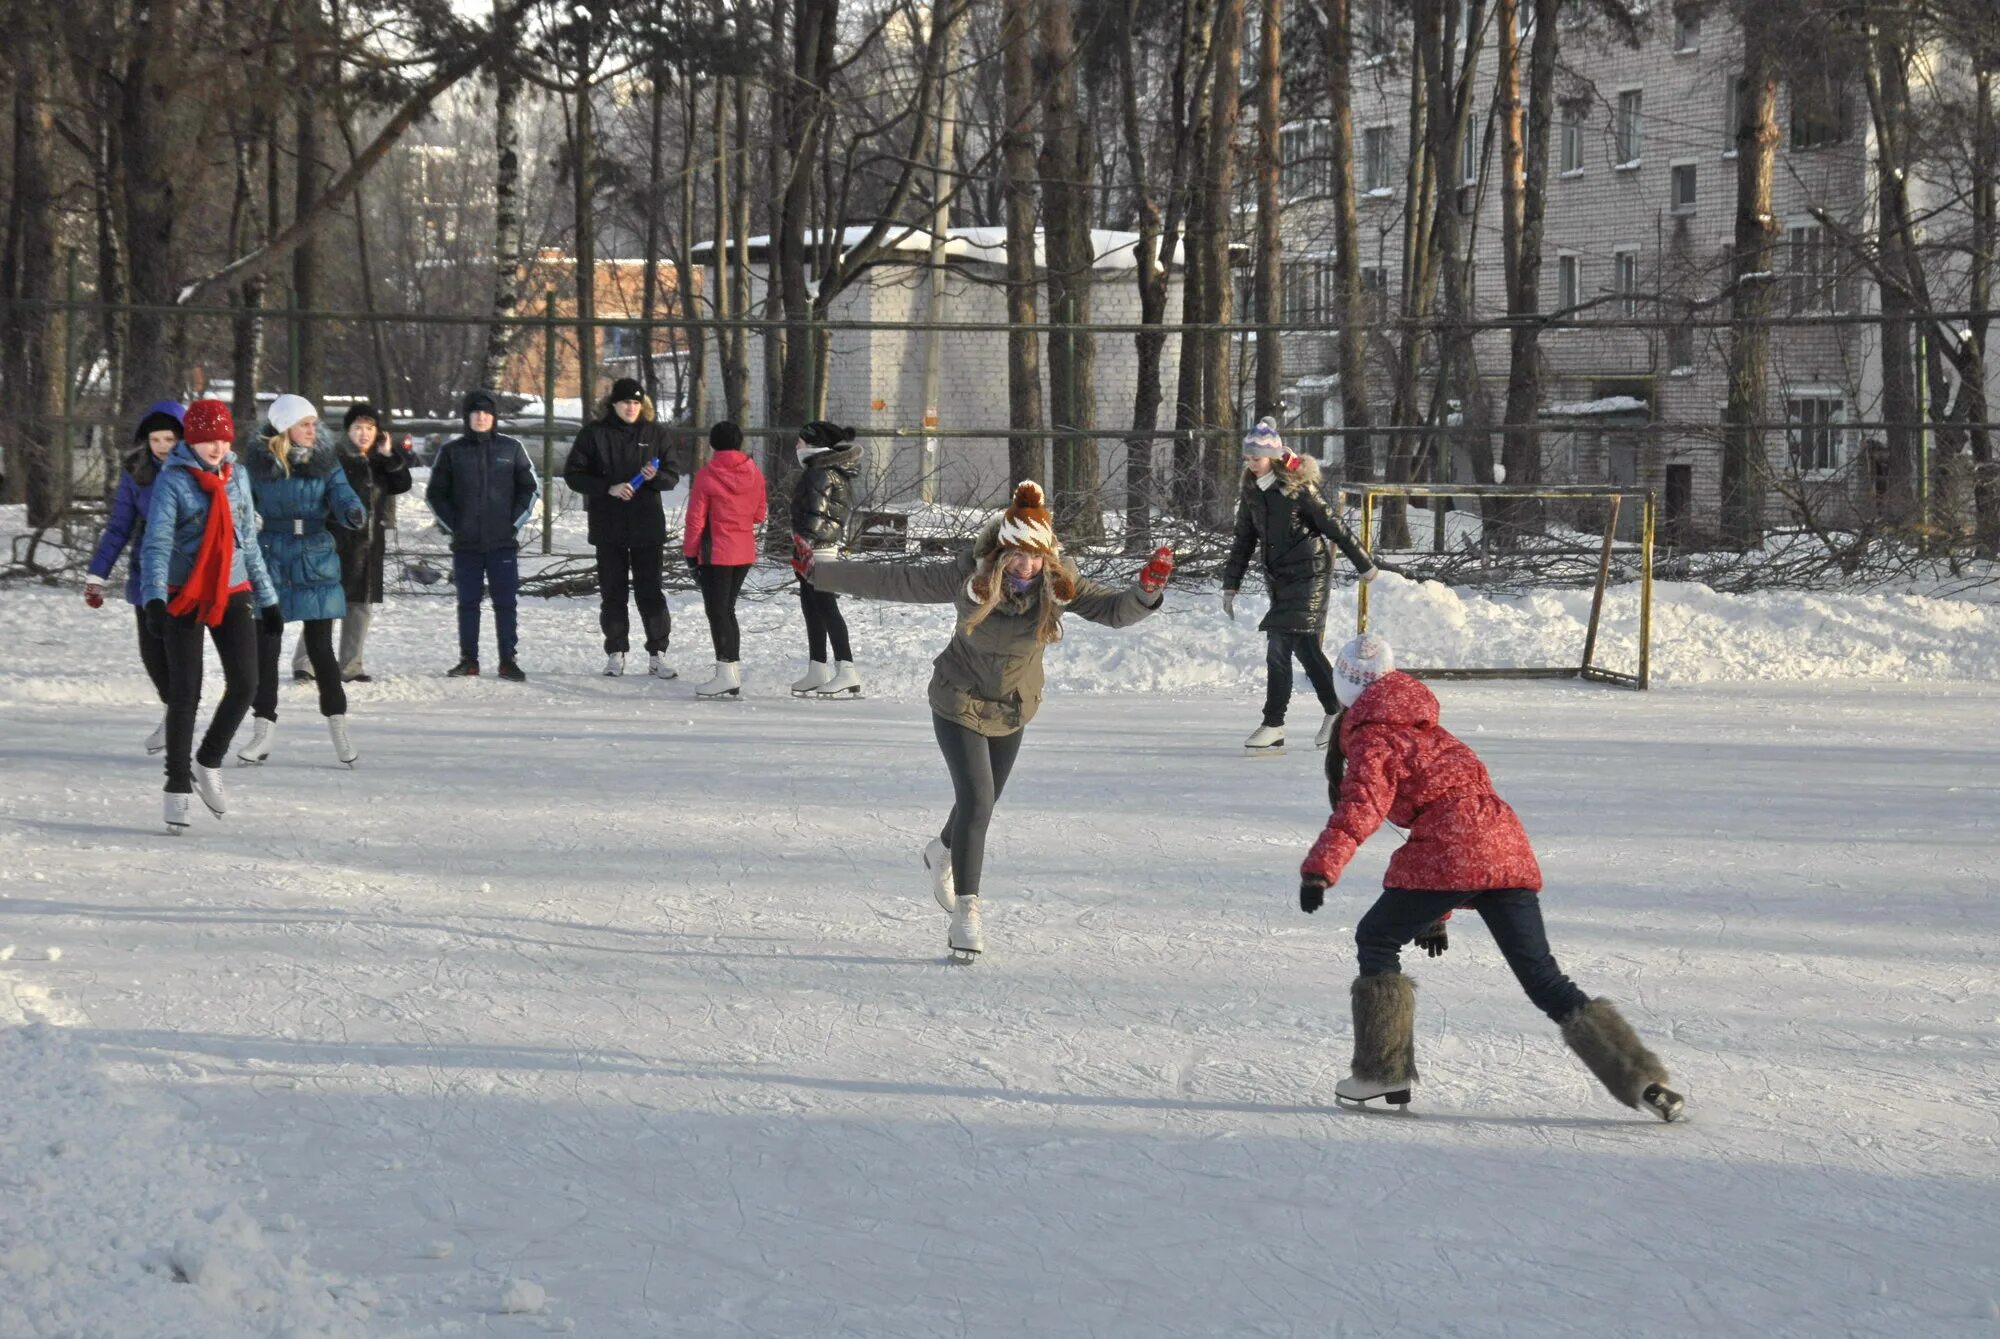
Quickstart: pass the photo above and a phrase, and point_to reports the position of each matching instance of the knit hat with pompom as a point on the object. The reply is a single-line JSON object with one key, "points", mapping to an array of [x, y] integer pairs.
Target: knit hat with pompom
{"points": [[1027, 525]]}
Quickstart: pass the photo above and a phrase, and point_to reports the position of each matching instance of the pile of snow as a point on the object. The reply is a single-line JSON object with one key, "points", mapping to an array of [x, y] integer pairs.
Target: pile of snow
{"points": [[115, 1221]]}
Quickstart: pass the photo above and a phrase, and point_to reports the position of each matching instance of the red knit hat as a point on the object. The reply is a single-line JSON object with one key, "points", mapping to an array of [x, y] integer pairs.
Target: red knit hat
{"points": [[208, 421], [1027, 524]]}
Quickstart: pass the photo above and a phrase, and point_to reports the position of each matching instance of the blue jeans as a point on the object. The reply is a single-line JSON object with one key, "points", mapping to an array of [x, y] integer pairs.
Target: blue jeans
{"points": [[472, 572], [1513, 915]]}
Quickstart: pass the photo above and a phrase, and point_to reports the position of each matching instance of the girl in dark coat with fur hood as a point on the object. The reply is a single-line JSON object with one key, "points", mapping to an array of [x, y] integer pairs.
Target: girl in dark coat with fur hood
{"points": [[152, 443], [1010, 590], [1282, 510], [1465, 847], [822, 502]]}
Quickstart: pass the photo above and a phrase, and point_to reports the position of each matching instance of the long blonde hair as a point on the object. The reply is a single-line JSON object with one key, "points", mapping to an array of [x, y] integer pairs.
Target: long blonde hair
{"points": [[1055, 589], [280, 447]]}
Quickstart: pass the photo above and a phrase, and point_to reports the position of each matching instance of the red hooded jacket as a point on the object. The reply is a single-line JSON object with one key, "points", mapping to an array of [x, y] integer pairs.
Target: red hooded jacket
{"points": [[725, 506], [1401, 766]]}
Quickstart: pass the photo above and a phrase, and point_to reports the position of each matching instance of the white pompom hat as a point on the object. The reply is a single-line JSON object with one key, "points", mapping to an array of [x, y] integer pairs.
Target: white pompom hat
{"points": [[1361, 662], [287, 411]]}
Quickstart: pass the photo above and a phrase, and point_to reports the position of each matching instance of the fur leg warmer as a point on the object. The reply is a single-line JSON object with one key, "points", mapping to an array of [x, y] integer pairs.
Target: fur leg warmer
{"points": [[1385, 1020], [1605, 1042]]}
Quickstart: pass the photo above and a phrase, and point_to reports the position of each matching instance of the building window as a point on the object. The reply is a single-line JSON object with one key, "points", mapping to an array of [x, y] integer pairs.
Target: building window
{"points": [[1735, 106], [1683, 188], [1571, 137], [1375, 292], [1812, 432], [1307, 154], [1377, 165], [1375, 29], [1569, 282], [1631, 127], [1680, 346], [1468, 159], [1819, 112], [1627, 276], [1687, 31], [1812, 270]]}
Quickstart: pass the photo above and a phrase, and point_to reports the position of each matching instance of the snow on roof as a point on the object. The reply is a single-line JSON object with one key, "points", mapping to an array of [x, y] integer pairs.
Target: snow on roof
{"points": [[1113, 250], [1610, 404]]}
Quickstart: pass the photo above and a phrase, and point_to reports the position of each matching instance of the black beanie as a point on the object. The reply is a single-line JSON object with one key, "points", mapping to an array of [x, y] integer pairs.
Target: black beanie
{"points": [[627, 388], [475, 401], [157, 421], [356, 412], [825, 434], [725, 436]]}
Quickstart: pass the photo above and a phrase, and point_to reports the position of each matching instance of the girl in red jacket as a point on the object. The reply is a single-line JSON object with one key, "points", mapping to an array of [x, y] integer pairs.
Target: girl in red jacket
{"points": [[1390, 759], [725, 506]]}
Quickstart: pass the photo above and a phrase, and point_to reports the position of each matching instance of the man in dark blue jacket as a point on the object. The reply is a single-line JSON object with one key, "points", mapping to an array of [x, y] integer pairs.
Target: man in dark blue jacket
{"points": [[482, 491]]}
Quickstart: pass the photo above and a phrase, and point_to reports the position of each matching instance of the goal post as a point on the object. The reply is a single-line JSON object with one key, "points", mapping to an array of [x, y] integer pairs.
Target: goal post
{"points": [[1616, 499]]}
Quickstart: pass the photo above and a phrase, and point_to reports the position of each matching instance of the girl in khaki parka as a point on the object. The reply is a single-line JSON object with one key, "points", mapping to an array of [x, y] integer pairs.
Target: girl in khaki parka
{"points": [[1011, 589]]}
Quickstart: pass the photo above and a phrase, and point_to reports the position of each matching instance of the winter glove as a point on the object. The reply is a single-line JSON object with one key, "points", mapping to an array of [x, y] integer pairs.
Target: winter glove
{"points": [[1312, 893], [802, 556], [1229, 604], [271, 621], [1432, 939], [93, 592], [156, 617], [1153, 576], [694, 565]]}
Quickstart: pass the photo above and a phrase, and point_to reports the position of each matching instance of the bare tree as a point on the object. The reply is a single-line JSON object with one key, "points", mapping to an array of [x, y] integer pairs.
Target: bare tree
{"points": [[1265, 284], [1745, 466]]}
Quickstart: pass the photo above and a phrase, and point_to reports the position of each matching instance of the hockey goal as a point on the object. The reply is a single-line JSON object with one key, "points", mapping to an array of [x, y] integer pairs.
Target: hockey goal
{"points": [[1628, 516]]}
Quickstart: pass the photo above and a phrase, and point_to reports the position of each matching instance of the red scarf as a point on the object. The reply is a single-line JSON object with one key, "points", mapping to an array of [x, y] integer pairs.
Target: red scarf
{"points": [[207, 588]]}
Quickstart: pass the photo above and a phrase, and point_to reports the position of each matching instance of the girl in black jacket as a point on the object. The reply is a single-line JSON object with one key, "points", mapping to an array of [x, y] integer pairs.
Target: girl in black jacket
{"points": [[822, 501], [620, 465], [1281, 508]]}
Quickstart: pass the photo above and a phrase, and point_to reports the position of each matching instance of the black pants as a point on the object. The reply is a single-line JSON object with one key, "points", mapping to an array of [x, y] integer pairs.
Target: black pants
{"points": [[317, 634], [153, 654], [979, 765], [719, 588], [1279, 649], [235, 641], [1514, 916], [472, 571], [823, 622], [632, 571]]}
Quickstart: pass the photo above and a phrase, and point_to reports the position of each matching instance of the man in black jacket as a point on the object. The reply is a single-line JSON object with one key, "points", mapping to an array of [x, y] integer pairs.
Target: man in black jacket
{"points": [[619, 464], [483, 490]]}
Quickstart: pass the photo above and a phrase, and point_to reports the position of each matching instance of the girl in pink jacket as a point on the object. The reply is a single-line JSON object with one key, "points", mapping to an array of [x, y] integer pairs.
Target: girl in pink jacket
{"points": [[726, 505]]}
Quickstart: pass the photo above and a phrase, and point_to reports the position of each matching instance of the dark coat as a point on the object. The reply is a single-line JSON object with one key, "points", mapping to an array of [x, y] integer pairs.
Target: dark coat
{"points": [[609, 452], [296, 510], [823, 496], [377, 480], [1292, 522], [482, 491], [127, 523]]}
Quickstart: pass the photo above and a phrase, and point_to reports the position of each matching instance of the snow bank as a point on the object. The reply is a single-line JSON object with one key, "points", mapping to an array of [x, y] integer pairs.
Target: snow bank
{"points": [[115, 1222]]}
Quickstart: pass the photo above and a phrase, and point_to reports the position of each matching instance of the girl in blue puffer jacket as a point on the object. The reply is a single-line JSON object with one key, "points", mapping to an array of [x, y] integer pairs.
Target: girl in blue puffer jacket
{"points": [[158, 430], [300, 488]]}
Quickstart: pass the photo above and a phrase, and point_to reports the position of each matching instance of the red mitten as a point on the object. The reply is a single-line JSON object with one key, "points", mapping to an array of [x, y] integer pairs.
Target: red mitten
{"points": [[93, 595], [802, 556], [1153, 576]]}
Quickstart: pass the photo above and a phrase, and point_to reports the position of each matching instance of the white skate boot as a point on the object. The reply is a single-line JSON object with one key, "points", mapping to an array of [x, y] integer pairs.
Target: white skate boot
{"points": [[656, 665], [1357, 1091], [208, 785], [1265, 739], [258, 750], [343, 747], [728, 681], [966, 939], [1326, 729], [177, 813], [944, 885], [157, 741], [844, 683], [614, 665], [817, 673]]}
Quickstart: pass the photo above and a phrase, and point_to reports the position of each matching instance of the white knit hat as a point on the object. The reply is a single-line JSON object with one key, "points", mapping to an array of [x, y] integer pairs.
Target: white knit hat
{"points": [[1361, 662], [288, 410]]}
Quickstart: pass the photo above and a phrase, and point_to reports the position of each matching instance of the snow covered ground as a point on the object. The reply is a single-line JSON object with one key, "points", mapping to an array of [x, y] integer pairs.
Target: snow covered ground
{"points": [[583, 1007]]}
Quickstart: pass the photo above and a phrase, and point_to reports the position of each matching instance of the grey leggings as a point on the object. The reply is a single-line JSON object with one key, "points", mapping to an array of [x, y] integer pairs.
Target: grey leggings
{"points": [[979, 765]]}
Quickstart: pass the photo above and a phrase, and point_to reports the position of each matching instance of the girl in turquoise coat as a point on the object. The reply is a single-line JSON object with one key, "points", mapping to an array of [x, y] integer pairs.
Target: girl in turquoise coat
{"points": [[300, 489]]}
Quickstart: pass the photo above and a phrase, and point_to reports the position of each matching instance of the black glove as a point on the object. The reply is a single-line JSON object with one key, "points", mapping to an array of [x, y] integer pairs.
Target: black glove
{"points": [[156, 617], [1312, 895], [271, 621], [1432, 938], [694, 565]]}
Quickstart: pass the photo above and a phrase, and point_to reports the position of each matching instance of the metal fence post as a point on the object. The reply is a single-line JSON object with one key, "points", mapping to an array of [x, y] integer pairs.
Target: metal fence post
{"points": [[548, 421]]}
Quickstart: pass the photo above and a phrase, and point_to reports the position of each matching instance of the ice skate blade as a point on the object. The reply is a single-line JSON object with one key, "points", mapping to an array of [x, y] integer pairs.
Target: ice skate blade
{"points": [[1664, 1102], [176, 829], [1400, 1099], [1274, 751], [962, 957], [844, 695], [733, 695], [242, 761], [151, 751]]}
